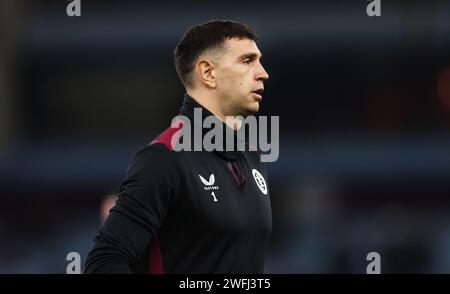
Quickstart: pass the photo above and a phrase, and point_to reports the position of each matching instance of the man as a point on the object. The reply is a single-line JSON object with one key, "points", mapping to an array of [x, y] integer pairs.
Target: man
{"points": [[188, 211]]}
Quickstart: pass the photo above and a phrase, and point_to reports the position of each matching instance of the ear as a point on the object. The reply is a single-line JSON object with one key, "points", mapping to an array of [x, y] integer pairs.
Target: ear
{"points": [[205, 72]]}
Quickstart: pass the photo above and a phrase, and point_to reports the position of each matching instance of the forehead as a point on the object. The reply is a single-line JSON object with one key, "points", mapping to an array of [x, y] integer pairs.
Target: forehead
{"points": [[236, 47]]}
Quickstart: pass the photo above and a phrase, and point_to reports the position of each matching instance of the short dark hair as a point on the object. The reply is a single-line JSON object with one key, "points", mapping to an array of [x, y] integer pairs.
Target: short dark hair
{"points": [[202, 37]]}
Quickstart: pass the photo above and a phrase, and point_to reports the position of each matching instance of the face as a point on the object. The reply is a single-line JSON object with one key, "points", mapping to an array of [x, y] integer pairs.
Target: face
{"points": [[240, 77]]}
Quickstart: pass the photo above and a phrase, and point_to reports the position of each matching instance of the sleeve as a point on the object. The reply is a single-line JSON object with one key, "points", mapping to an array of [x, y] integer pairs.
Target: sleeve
{"points": [[145, 195]]}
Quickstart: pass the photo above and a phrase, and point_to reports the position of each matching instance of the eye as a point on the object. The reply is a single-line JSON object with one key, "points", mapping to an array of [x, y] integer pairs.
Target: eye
{"points": [[247, 60]]}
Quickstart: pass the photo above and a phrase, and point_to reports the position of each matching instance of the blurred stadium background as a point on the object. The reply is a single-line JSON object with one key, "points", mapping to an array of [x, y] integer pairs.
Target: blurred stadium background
{"points": [[364, 106]]}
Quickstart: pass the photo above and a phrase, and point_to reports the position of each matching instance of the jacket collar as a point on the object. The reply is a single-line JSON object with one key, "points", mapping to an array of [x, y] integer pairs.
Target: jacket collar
{"points": [[187, 109]]}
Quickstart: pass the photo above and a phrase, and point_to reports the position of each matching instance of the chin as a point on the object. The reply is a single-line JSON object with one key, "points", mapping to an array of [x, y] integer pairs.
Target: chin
{"points": [[255, 107], [250, 110]]}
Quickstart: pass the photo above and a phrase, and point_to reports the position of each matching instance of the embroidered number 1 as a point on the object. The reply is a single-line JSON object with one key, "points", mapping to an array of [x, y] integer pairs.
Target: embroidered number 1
{"points": [[214, 196]]}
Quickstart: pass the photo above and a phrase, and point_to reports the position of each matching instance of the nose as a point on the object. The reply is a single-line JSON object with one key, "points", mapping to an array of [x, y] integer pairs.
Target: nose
{"points": [[261, 73]]}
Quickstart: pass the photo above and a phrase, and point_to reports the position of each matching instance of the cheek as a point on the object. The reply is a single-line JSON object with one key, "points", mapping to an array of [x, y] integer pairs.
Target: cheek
{"points": [[232, 83], [235, 80], [236, 77], [241, 81]]}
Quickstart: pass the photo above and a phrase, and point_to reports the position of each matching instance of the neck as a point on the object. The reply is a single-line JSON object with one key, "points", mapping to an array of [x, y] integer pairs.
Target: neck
{"points": [[212, 103]]}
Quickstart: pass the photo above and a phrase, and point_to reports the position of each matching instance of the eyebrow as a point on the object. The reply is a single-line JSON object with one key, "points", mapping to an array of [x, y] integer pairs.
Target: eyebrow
{"points": [[249, 55]]}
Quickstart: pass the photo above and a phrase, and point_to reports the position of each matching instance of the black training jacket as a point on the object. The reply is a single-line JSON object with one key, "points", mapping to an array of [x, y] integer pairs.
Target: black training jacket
{"points": [[187, 211]]}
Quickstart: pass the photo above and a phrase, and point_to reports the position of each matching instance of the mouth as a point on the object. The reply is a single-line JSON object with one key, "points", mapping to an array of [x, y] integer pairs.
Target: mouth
{"points": [[257, 94]]}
